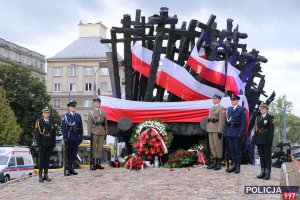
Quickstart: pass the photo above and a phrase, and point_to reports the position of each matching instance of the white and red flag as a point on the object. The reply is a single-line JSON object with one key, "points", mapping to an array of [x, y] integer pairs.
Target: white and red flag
{"points": [[171, 76], [214, 71], [138, 111]]}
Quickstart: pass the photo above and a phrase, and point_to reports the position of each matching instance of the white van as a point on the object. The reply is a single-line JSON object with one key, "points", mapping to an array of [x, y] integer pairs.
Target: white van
{"points": [[15, 163]]}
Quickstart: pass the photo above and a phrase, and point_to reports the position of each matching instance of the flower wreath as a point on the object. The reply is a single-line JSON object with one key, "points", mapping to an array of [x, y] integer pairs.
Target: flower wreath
{"points": [[150, 139]]}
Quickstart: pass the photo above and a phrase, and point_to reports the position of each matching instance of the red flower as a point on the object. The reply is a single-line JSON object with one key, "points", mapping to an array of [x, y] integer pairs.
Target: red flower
{"points": [[158, 137], [143, 141], [160, 154], [149, 157], [147, 137], [166, 138], [153, 133]]}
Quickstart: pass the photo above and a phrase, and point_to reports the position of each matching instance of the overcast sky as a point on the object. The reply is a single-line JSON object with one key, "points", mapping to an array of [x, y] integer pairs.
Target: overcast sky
{"points": [[273, 28]]}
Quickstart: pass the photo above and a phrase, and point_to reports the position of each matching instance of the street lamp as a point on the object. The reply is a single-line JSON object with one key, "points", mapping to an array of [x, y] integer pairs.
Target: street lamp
{"points": [[94, 77]]}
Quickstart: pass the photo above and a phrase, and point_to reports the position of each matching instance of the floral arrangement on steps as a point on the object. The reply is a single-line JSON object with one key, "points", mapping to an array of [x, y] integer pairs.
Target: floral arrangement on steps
{"points": [[133, 162], [151, 139], [202, 152], [181, 158]]}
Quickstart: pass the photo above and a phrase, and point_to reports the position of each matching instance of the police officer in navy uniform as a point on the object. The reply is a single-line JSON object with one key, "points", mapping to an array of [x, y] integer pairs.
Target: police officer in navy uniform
{"points": [[235, 132], [263, 139], [45, 133], [72, 130]]}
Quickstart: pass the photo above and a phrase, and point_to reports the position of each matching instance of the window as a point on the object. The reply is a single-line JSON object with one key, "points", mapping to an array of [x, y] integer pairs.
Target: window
{"points": [[57, 71], [103, 87], [104, 71], [20, 160], [87, 103], [12, 161], [88, 71], [56, 103], [72, 71], [72, 87], [56, 87], [88, 87]]}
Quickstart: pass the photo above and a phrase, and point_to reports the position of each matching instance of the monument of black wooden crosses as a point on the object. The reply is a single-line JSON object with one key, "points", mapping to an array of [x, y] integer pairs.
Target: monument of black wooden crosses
{"points": [[160, 33]]}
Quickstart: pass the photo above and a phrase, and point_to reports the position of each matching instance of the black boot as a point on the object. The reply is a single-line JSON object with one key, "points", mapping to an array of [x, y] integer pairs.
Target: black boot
{"points": [[268, 174], [99, 164], [93, 164], [41, 176], [232, 168], [72, 171], [218, 164], [238, 167], [68, 170], [211, 166], [262, 173], [46, 177]]}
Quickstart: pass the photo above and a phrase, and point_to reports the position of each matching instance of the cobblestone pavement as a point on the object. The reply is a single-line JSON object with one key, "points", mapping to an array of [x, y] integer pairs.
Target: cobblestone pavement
{"points": [[151, 183]]}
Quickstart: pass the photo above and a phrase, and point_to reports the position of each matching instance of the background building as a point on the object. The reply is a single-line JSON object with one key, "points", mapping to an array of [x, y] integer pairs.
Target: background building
{"points": [[80, 70], [12, 53]]}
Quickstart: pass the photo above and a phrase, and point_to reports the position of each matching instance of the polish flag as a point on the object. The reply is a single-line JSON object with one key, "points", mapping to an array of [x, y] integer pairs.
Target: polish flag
{"points": [[171, 76], [214, 71], [138, 111]]}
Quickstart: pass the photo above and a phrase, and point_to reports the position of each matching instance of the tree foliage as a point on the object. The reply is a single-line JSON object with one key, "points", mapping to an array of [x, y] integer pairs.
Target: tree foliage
{"points": [[292, 122], [10, 131], [26, 95]]}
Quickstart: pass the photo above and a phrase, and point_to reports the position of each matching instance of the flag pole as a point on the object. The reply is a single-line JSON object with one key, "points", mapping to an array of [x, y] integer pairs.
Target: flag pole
{"points": [[225, 91]]}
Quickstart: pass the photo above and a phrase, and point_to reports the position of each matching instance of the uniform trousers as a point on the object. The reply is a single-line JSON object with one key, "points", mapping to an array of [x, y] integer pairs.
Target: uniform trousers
{"points": [[97, 145], [264, 152], [71, 151], [235, 148], [215, 145], [45, 153]]}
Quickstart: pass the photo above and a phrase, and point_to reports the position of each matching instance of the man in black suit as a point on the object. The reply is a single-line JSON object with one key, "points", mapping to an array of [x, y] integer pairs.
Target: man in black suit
{"points": [[263, 138]]}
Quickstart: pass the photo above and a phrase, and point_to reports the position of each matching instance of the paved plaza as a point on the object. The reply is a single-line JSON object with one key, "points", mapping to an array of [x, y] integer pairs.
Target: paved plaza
{"points": [[150, 183]]}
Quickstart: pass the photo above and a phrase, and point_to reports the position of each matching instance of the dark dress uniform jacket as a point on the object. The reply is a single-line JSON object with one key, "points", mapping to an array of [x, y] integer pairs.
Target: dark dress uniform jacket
{"points": [[235, 122], [264, 130], [45, 133], [72, 127]]}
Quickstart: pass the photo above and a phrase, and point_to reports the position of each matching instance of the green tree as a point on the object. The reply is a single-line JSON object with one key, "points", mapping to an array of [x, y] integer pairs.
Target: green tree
{"points": [[26, 95], [293, 130], [293, 122], [10, 130]]}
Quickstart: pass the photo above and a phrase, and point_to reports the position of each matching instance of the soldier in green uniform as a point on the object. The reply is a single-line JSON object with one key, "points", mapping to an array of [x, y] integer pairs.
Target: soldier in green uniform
{"points": [[44, 132], [97, 129], [215, 128]]}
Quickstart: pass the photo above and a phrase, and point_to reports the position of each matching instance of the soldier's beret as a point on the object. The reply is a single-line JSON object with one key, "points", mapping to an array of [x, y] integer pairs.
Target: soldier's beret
{"points": [[297, 156], [234, 97], [263, 105], [294, 149], [216, 96], [72, 103], [97, 100], [46, 109]]}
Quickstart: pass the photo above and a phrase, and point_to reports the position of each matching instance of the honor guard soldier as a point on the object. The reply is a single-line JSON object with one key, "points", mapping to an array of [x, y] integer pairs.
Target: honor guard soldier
{"points": [[263, 139], [235, 132], [97, 129], [45, 135], [215, 128], [73, 135]]}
